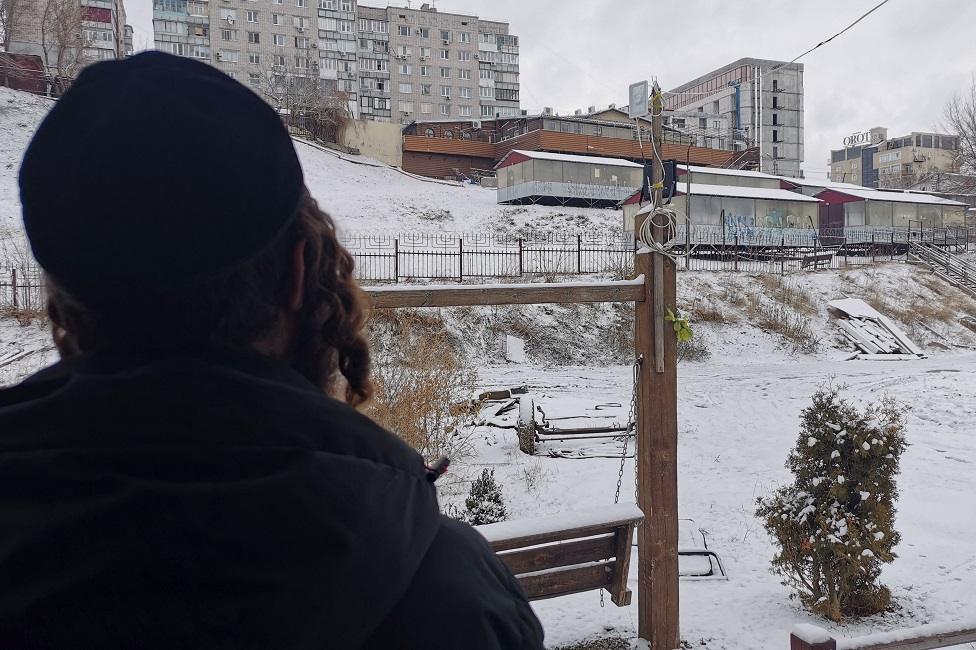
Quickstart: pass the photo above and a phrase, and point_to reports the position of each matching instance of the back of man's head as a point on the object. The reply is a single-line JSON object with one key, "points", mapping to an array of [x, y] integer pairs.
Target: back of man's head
{"points": [[165, 202]]}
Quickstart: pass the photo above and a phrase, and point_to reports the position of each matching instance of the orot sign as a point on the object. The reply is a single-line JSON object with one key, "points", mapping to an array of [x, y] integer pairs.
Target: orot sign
{"points": [[856, 139]]}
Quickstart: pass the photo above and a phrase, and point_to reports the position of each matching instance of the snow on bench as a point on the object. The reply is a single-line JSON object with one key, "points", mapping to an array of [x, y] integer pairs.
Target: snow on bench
{"points": [[923, 637], [580, 520]]}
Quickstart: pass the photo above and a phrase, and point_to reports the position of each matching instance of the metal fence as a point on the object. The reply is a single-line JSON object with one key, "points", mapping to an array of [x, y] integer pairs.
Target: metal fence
{"points": [[458, 257]]}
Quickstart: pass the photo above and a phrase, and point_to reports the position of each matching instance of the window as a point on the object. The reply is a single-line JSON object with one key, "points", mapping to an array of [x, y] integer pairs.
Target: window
{"points": [[464, 111], [445, 109], [775, 135], [775, 119], [230, 56], [702, 123], [253, 38], [424, 89], [279, 40], [487, 92], [445, 73], [200, 52], [485, 73], [277, 19], [406, 89], [597, 130], [486, 110], [406, 107], [464, 73], [230, 15], [775, 152], [301, 4], [716, 124], [403, 30], [429, 132], [301, 42], [198, 30], [464, 55], [445, 55], [406, 68], [327, 4], [445, 36], [345, 5], [425, 71], [775, 85], [775, 102], [228, 34], [252, 16], [345, 26], [301, 62], [464, 37], [488, 39], [465, 92], [278, 60], [427, 109], [254, 78], [301, 22], [424, 32], [424, 53], [445, 91], [254, 59]]}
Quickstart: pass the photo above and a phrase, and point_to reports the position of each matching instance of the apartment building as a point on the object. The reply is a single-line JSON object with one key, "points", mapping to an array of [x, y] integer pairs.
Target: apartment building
{"points": [[747, 103], [96, 29], [394, 64], [872, 159]]}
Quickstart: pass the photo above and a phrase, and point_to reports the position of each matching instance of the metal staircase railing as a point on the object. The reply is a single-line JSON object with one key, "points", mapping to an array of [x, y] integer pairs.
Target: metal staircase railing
{"points": [[946, 265]]}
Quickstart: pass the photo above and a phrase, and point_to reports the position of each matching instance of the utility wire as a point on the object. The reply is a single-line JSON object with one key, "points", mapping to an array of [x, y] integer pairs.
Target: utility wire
{"points": [[822, 43]]}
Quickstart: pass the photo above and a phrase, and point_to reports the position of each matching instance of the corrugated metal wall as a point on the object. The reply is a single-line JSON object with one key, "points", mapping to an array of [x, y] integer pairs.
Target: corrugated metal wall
{"points": [[438, 165]]}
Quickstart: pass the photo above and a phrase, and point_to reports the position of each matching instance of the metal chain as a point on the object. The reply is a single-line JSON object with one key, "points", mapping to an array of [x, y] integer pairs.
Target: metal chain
{"points": [[631, 430], [631, 427]]}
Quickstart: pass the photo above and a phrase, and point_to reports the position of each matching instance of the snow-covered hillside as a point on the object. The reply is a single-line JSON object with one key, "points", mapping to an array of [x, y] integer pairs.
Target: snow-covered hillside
{"points": [[364, 196]]}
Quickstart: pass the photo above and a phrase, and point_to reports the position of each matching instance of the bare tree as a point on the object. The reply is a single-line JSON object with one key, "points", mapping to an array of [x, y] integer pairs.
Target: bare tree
{"points": [[64, 41], [304, 101], [960, 118], [12, 15]]}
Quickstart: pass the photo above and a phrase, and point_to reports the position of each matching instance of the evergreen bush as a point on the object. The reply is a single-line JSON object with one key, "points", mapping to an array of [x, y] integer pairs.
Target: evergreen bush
{"points": [[484, 504], [834, 524]]}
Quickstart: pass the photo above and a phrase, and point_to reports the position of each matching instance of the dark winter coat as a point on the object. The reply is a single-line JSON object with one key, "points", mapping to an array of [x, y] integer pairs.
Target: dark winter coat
{"points": [[225, 502]]}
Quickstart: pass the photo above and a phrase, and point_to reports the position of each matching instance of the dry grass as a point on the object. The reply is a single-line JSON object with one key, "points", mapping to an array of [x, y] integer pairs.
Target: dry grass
{"points": [[707, 310], [780, 319], [422, 382], [788, 293], [24, 316]]}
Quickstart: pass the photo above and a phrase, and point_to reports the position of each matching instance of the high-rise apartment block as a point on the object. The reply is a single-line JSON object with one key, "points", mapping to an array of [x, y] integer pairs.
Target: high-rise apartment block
{"points": [[394, 64], [748, 103], [68, 35]]}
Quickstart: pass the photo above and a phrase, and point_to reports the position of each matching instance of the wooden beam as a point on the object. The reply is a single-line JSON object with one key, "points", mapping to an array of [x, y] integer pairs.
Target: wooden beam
{"points": [[505, 294], [538, 558], [561, 582], [657, 436]]}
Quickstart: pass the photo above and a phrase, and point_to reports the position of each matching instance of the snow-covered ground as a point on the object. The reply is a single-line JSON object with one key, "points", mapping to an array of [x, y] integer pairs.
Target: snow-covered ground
{"points": [[737, 422]]}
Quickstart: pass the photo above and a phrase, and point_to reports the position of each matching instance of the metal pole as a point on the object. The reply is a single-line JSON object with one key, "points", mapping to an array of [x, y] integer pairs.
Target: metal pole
{"points": [[688, 209], [13, 285], [579, 253], [396, 260], [521, 264], [460, 259]]}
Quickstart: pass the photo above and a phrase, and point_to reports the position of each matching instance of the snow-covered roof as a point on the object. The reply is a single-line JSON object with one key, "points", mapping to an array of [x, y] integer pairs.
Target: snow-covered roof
{"points": [[722, 171], [563, 157], [895, 196], [735, 191], [806, 182]]}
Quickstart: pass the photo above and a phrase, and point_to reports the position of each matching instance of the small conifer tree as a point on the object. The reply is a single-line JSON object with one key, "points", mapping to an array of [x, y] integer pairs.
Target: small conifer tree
{"points": [[834, 524], [484, 503]]}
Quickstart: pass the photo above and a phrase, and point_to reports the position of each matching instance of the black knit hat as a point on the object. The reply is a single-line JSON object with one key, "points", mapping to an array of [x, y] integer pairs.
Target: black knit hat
{"points": [[156, 171]]}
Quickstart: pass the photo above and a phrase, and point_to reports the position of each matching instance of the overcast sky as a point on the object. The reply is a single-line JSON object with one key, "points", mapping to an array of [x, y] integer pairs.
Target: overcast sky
{"points": [[897, 68]]}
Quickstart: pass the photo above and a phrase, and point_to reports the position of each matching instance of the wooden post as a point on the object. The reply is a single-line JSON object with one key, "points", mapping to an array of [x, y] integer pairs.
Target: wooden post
{"points": [[796, 643], [657, 434]]}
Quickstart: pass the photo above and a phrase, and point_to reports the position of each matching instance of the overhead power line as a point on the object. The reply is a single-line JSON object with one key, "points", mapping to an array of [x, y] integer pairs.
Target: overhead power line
{"points": [[824, 42]]}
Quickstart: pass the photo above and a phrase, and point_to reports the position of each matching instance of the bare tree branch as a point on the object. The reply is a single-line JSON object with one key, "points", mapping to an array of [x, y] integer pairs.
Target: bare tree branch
{"points": [[960, 118], [63, 40]]}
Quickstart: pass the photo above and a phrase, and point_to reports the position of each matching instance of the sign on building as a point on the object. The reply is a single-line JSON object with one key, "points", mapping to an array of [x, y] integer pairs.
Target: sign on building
{"points": [[638, 100], [859, 138]]}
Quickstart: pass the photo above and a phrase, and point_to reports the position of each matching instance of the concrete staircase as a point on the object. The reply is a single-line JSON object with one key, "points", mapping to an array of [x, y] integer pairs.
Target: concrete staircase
{"points": [[945, 265]]}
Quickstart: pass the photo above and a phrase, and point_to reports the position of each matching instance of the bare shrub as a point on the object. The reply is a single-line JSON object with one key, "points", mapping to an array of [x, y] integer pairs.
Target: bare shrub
{"points": [[706, 310], [693, 350], [733, 291], [422, 383]]}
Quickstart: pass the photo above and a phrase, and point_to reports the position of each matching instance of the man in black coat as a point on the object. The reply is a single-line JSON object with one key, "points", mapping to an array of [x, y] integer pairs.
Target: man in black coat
{"points": [[188, 476]]}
